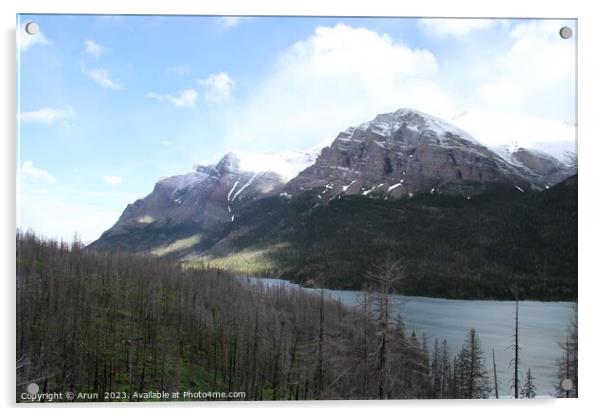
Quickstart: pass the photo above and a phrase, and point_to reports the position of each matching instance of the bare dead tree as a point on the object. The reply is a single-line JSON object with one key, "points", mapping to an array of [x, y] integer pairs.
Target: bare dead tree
{"points": [[567, 364], [320, 366], [515, 348], [98, 321], [383, 278], [497, 395]]}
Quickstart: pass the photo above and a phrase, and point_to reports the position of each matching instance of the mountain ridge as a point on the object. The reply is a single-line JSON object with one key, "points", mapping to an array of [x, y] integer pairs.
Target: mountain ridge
{"points": [[395, 155], [207, 196], [409, 151], [245, 220]]}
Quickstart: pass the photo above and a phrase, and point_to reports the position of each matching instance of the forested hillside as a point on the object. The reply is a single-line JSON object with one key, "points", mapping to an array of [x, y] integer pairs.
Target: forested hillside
{"points": [[450, 246], [92, 322], [466, 221]]}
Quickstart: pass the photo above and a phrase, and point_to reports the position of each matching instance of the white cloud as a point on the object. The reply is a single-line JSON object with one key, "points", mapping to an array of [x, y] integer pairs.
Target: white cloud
{"points": [[46, 115], [445, 27], [342, 76], [529, 96], [113, 180], [231, 21], [94, 49], [536, 75], [102, 77], [286, 163], [218, 87], [497, 128], [165, 143], [26, 41], [186, 98], [30, 172], [339, 76]]}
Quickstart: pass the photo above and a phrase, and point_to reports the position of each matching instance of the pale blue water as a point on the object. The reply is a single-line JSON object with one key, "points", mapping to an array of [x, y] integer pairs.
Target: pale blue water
{"points": [[542, 325]]}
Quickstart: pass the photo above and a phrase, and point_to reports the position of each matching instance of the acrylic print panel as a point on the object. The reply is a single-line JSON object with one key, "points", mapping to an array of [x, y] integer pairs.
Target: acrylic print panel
{"points": [[295, 208]]}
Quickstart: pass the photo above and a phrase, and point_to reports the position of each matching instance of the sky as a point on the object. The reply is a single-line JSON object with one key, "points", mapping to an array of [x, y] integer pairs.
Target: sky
{"points": [[107, 105]]}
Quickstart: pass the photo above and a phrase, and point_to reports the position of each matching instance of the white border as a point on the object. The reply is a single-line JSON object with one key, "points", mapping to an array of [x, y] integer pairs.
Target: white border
{"points": [[590, 178]]}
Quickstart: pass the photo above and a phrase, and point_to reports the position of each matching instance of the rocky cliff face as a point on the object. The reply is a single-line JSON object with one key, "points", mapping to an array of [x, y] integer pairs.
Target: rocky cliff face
{"points": [[407, 151], [543, 166], [207, 196]]}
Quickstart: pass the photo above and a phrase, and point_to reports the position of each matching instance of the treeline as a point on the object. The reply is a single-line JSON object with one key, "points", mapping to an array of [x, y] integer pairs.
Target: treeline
{"points": [[95, 322], [451, 246]]}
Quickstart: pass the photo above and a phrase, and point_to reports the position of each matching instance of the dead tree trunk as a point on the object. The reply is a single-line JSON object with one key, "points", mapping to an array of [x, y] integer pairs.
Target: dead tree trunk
{"points": [[320, 367], [497, 396], [516, 382]]}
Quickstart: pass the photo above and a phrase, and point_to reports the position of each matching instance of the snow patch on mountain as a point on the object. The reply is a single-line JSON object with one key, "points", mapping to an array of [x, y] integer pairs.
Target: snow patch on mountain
{"points": [[564, 152], [181, 182], [386, 124], [245, 186], [347, 186], [232, 190], [506, 152], [286, 163]]}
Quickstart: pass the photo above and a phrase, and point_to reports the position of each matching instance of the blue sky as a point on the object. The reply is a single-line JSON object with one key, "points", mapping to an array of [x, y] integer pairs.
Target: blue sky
{"points": [[109, 104]]}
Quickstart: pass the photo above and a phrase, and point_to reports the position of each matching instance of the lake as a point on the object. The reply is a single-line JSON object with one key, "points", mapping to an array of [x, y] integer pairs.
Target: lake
{"points": [[542, 325]]}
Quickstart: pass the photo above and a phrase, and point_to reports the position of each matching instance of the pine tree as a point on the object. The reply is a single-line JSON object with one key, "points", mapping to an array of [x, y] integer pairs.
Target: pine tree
{"points": [[528, 390], [471, 376]]}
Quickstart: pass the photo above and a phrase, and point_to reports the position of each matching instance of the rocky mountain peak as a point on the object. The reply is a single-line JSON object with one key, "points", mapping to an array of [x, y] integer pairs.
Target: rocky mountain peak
{"points": [[407, 151], [207, 196], [415, 120], [549, 169], [229, 163]]}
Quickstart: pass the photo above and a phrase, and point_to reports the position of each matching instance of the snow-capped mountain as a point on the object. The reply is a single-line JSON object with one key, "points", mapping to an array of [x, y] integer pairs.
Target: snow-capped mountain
{"points": [[407, 151], [207, 196], [396, 154], [564, 151], [537, 162]]}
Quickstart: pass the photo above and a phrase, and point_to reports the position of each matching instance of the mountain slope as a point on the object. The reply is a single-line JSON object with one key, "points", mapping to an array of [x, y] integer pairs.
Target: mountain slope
{"points": [[185, 204], [550, 169], [451, 246], [466, 220], [407, 151]]}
